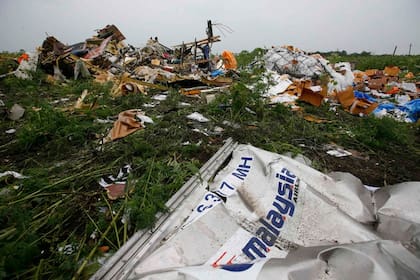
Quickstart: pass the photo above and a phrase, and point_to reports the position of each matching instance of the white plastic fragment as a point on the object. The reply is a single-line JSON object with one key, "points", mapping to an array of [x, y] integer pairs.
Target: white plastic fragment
{"points": [[316, 88], [197, 117], [14, 174], [144, 119], [102, 121], [250, 111], [339, 80], [283, 98], [26, 67], [234, 125], [16, 112], [160, 97], [67, 249], [402, 99], [380, 113], [278, 83], [11, 131], [370, 188], [409, 87], [339, 153], [378, 94], [94, 234], [200, 131], [218, 129]]}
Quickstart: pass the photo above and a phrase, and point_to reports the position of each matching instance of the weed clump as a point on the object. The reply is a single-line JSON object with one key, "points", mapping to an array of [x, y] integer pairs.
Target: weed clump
{"points": [[385, 133], [51, 127]]}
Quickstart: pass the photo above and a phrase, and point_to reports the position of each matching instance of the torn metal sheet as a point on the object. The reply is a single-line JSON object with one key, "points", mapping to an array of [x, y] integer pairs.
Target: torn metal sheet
{"points": [[267, 216], [143, 242]]}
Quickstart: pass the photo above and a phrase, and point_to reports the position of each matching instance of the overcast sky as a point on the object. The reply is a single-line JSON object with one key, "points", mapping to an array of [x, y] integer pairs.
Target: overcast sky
{"points": [[351, 25]]}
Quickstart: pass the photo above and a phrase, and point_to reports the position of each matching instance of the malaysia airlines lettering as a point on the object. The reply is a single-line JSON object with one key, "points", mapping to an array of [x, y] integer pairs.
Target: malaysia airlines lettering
{"points": [[240, 172], [283, 206], [243, 169]]}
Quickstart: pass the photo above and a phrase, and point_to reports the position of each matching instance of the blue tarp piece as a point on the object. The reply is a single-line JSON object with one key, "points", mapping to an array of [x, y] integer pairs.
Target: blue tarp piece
{"points": [[217, 72], [363, 95], [412, 109]]}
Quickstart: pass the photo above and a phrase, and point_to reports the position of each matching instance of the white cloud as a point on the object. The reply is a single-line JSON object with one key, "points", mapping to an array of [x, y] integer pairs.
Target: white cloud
{"points": [[352, 25]]}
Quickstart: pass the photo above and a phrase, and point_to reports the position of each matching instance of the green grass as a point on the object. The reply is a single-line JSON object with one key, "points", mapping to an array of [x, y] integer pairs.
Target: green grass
{"points": [[364, 62]]}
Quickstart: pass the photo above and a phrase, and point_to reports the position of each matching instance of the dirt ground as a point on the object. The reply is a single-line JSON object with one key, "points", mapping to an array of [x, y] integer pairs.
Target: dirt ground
{"points": [[378, 171]]}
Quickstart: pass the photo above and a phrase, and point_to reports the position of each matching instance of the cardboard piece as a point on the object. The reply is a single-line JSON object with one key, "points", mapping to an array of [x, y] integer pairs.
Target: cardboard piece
{"points": [[363, 107], [392, 71], [377, 83], [312, 96], [346, 97], [126, 124]]}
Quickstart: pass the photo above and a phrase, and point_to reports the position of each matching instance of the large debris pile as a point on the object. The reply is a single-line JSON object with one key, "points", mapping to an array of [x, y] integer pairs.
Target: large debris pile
{"points": [[293, 75], [108, 58]]}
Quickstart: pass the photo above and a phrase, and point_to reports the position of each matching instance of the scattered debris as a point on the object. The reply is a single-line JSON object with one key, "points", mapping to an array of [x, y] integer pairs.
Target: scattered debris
{"points": [[128, 122], [197, 117], [16, 112], [136, 70], [189, 69], [339, 153], [160, 97], [15, 174], [360, 93], [292, 61], [68, 249], [103, 249], [115, 186], [311, 118], [80, 103], [28, 63]]}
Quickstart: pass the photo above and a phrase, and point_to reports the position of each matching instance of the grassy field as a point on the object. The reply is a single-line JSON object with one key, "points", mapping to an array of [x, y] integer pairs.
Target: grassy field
{"points": [[59, 223], [364, 62]]}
